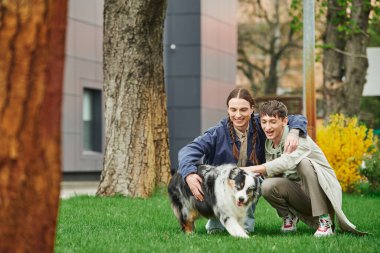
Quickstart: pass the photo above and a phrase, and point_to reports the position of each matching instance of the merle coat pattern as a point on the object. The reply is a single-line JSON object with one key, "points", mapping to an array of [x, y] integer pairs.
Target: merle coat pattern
{"points": [[228, 193]]}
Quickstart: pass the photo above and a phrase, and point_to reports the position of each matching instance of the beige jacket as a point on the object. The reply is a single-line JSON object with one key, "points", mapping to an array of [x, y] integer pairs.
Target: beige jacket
{"points": [[285, 165]]}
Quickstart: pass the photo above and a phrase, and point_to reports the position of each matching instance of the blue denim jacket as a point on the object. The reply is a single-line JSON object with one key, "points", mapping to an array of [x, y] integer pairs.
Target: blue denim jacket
{"points": [[214, 147]]}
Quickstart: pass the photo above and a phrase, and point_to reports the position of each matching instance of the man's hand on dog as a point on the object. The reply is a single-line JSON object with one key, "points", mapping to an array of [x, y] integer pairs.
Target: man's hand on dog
{"points": [[194, 182], [257, 169]]}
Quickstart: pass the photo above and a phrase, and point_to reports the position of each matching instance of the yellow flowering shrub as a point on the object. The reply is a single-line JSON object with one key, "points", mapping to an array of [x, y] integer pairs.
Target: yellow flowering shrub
{"points": [[345, 144]]}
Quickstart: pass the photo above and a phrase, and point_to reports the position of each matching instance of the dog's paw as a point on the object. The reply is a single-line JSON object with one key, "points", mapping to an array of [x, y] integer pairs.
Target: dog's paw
{"points": [[240, 234], [244, 236], [189, 232]]}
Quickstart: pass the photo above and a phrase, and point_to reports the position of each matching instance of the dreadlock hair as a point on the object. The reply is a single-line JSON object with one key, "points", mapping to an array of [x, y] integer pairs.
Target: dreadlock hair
{"points": [[243, 94]]}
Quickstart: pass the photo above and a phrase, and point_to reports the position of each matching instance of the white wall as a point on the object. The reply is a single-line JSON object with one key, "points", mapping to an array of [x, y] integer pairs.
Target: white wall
{"points": [[372, 87]]}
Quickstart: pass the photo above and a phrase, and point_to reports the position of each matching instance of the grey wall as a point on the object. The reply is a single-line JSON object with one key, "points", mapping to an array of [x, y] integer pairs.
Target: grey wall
{"points": [[200, 71], [83, 68], [183, 72]]}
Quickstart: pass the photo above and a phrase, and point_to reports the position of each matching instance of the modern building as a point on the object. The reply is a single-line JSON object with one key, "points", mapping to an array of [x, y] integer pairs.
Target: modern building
{"points": [[200, 53]]}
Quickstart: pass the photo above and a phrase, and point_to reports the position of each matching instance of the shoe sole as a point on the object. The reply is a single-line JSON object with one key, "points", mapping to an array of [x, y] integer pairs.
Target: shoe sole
{"points": [[323, 235], [288, 231]]}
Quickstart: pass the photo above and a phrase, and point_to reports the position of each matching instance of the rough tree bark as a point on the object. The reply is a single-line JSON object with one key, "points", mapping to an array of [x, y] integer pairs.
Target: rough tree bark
{"points": [[136, 156], [345, 61], [32, 39]]}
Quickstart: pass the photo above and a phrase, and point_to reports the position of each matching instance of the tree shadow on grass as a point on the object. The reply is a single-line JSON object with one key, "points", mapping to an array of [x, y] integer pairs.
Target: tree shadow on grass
{"points": [[268, 224], [276, 231], [261, 229]]}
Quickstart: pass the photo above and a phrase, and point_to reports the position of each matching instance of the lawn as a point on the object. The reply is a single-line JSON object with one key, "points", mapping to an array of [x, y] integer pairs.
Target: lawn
{"points": [[118, 224]]}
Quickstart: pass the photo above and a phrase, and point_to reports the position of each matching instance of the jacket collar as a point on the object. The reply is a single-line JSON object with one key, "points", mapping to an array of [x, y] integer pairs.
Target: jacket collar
{"points": [[250, 128]]}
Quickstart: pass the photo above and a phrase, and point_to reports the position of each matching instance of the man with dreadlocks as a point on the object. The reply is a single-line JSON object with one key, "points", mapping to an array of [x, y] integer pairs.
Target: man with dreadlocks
{"points": [[236, 139]]}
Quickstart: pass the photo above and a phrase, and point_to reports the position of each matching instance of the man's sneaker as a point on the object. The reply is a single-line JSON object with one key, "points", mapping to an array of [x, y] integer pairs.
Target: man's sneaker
{"points": [[213, 226], [290, 223], [325, 228]]}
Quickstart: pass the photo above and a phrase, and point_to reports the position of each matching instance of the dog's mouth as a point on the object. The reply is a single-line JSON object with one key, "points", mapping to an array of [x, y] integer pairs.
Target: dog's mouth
{"points": [[240, 203]]}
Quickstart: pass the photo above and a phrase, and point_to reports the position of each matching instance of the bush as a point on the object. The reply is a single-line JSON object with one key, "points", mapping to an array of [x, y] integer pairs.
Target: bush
{"points": [[371, 170], [367, 113], [345, 143]]}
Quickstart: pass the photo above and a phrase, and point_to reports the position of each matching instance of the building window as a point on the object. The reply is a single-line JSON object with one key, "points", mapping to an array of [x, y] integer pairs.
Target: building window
{"points": [[92, 120]]}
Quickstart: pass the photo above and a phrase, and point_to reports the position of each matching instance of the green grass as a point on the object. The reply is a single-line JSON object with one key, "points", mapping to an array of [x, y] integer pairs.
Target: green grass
{"points": [[118, 224]]}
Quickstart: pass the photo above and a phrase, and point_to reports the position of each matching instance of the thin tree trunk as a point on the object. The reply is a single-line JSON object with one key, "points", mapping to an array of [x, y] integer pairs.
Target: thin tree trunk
{"points": [[136, 157], [269, 34], [32, 39], [271, 81]]}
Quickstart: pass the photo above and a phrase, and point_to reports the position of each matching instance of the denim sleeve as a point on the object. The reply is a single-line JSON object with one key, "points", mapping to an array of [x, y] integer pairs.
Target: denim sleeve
{"points": [[190, 155], [299, 122]]}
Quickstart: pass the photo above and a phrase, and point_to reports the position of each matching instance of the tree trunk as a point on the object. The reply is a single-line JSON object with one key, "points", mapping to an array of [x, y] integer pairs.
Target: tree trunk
{"points": [[271, 81], [333, 69], [32, 39], [136, 157], [356, 62], [345, 60]]}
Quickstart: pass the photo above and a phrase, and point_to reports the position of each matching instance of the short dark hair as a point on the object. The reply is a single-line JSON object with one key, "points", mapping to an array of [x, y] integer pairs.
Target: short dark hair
{"points": [[273, 108]]}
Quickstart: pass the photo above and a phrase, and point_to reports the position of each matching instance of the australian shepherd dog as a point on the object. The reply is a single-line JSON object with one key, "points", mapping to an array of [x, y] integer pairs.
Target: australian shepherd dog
{"points": [[228, 193]]}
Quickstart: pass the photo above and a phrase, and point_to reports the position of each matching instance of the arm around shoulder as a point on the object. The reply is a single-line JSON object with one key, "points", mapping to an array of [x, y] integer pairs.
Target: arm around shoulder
{"points": [[298, 122]]}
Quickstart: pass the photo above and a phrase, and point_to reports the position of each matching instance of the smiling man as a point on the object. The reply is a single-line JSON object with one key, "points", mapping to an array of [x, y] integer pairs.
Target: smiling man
{"points": [[236, 139], [300, 184]]}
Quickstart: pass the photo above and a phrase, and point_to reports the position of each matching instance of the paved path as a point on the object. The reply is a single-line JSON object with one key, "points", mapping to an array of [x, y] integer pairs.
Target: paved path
{"points": [[73, 188]]}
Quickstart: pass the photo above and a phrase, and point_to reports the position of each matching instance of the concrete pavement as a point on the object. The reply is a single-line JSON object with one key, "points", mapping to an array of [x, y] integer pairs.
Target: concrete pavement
{"points": [[74, 188]]}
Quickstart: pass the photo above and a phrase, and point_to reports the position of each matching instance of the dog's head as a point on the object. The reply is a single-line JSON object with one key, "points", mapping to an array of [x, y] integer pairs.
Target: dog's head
{"points": [[246, 186]]}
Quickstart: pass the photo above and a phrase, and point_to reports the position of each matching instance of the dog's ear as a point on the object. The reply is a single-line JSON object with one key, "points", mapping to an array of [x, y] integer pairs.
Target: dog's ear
{"points": [[234, 172], [256, 175]]}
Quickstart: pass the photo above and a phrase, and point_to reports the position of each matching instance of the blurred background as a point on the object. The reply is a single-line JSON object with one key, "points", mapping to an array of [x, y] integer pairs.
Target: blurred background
{"points": [[209, 48]]}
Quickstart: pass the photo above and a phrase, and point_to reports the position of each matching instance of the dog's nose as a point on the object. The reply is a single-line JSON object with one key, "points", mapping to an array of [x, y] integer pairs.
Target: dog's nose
{"points": [[241, 199]]}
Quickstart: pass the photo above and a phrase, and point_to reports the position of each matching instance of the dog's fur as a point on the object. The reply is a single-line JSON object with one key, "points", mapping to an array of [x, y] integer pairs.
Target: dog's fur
{"points": [[228, 193]]}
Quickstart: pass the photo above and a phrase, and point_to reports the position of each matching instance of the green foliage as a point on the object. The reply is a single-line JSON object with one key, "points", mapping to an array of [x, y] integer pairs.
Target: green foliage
{"points": [[374, 33], [118, 224], [345, 24], [365, 188], [370, 112], [296, 10], [371, 170], [343, 19]]}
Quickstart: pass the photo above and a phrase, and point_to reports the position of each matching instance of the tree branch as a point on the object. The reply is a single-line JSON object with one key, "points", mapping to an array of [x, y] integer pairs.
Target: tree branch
{"points": [[349, 54]]}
